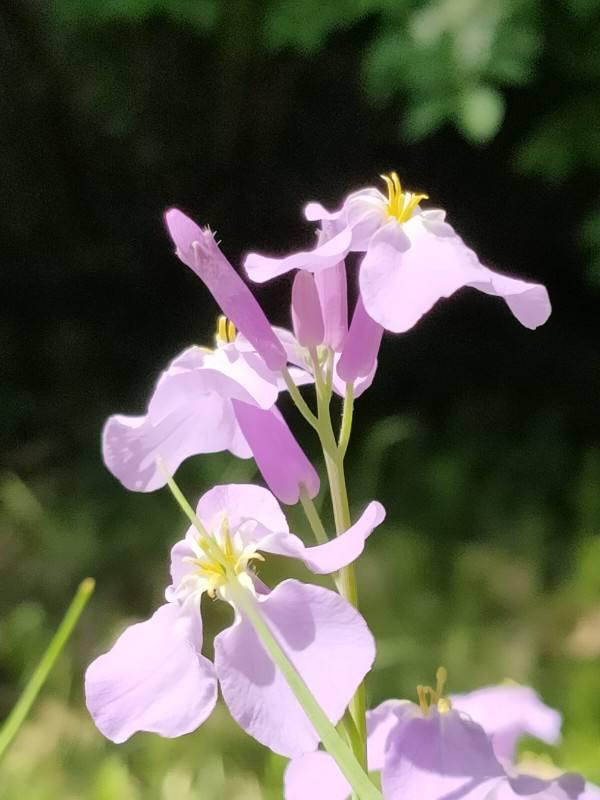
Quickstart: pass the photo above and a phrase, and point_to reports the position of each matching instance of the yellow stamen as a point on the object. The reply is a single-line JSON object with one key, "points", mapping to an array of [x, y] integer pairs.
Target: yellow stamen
{"points": [[434, 697], [400, 204], [225, 332]]}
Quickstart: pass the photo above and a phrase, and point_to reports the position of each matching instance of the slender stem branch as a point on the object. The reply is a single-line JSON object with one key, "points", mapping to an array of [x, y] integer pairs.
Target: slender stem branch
{"points": [[19, 713], [347, 416], [312, 515], [299, 401], [332, 741]]}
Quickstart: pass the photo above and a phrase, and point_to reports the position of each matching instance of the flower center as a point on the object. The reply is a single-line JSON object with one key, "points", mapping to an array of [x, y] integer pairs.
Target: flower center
{"points": [[225, 332], [429, 697], [221, 559], [400, 205]]}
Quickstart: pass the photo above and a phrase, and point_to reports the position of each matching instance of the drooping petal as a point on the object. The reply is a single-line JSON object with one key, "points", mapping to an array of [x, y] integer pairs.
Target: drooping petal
{"points": [[507, 712], [359, 355], [198, 250], [409, 267], [278, 455], [242, 502], [381, 721], [306, 310], [327, 641], [188, 414], [334, 554], [333, 294], [154, 679], [263, 268], [315, 776], [440, 755]]}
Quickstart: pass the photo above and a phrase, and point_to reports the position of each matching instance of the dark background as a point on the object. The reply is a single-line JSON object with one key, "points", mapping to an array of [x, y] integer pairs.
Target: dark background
{"points": [[479, 436]]}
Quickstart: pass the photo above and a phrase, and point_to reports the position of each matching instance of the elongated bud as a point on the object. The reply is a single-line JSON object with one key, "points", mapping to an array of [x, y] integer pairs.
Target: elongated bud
{"points": [[279, 457], [333, 293], [306, 310], [198, 250], [362, 346]]}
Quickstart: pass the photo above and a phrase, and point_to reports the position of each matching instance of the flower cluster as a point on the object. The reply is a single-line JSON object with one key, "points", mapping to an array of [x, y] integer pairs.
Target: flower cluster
{"points": [[292, 663]]}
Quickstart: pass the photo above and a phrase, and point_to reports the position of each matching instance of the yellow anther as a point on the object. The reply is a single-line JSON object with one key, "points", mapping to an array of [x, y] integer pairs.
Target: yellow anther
{"points": [[400, 204], [434, 697], [231, 331], [225, 332], [441, 676]]}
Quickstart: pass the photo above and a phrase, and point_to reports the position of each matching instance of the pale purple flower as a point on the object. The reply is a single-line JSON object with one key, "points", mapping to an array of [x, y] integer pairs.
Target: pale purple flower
{"points": [[434, 753], [333, 294], [279, 457], [413, 258], [156, 679], [190, 412], [198, 250], [307, 316], [507, 712]]}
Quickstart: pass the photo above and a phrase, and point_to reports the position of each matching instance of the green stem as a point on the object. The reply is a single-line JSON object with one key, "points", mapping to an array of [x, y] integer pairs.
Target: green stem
{"points": [[346, 579], [17, 716], [299, 401], [347, 416], [332, 741], [312, 515]]}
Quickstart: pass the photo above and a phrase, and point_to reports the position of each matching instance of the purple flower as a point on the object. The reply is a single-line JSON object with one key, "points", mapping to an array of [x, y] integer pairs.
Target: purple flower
{"points": [[433, 753], [506, 713], [413, 258], [190, 412], [156, 679]]}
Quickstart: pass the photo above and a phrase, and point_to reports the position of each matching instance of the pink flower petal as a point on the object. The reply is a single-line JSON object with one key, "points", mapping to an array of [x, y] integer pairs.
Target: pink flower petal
{"points": [[242, 502], [333, 294], [154, 679], [263, 268], [359, 356], [441, 755], [508, 712], [198, 250], [334, 554], [190, 412], [325, 638], [381, 721], [315, 776], [409, 267], [306, 310], [278, 455]]}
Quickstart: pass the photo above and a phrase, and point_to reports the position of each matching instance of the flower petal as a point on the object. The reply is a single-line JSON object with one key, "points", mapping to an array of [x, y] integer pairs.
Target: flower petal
{"points": [[315, 776], [278, 455], [359, 356], [306, 310], [440, 755], [327, 641], [334, 554], [242, 502], [263, 268], [198, 250], [333, 294], [154, 679], [381, 720], [409, 267], [508, 712]]}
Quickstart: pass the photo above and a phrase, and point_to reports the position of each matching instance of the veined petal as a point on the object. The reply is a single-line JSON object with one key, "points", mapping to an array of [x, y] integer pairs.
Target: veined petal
{"points": [[327, 641], [198, 250], [315, 776], [242, 502], [154, 679], [507, 712], [263, 268], [334, 554], [279, 457], [409, 267], [438, 755]]}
